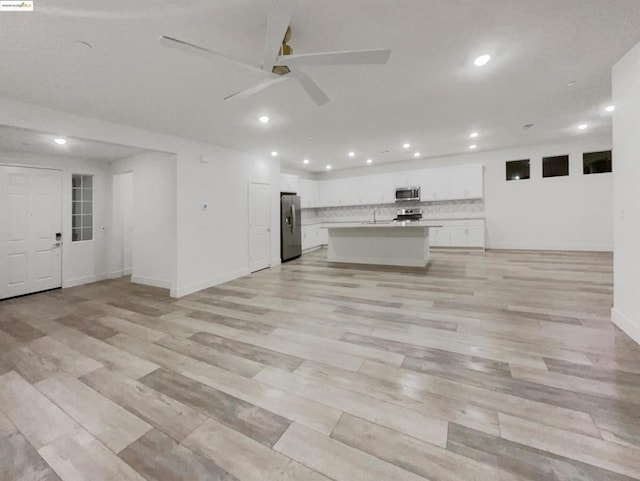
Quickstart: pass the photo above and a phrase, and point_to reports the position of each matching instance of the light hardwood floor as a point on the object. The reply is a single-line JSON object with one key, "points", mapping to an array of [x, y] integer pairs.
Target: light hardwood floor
{"points": [[484, 366]]}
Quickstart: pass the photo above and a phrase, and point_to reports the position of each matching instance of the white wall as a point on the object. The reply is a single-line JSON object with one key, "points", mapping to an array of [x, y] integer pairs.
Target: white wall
{"points": [[86, 261], [565, 213], [626, 142], [212, 246], [154, 219]]}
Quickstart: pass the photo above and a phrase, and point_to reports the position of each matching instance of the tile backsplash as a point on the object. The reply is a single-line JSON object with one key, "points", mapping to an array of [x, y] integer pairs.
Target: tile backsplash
{"points": [[445, 209]]}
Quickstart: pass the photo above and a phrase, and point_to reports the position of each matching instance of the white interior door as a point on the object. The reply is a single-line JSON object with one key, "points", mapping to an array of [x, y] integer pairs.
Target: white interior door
{"points": [[259, 226], [30, 218]]}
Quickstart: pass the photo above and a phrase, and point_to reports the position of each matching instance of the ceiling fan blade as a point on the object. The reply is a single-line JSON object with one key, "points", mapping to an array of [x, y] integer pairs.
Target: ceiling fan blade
{"points": [[183, 46], [277, 23], [346, 57], [256, 88], [315, 92]]}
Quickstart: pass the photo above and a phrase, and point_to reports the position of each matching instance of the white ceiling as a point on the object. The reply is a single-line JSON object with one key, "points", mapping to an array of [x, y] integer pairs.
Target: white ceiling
{"points": [[429, 93], [33, 142]]}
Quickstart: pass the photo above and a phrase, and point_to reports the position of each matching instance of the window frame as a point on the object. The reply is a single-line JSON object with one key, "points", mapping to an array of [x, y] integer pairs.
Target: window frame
{"points": [[82, 208]]}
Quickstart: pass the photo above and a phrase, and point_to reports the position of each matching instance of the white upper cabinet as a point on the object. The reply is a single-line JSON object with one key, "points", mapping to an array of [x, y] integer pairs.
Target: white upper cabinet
{"points": [[308, 192], [467, 182], [288, 183], [435, 185]]}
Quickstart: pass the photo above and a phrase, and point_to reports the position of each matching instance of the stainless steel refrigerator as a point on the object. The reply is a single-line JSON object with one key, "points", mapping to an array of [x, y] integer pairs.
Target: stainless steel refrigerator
{"points": [[290, 229]]}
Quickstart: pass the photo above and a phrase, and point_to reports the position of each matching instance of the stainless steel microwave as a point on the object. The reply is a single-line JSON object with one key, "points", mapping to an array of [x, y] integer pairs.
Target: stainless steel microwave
{"points": [[407, 193]]}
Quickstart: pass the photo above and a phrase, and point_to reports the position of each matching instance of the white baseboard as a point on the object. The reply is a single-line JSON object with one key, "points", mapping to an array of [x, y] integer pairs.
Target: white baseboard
{"points": [[79, 281], [276, 261], [550, 247], [630, 327], [150, 281], [311, 249], [198, 286], [128, 271]]}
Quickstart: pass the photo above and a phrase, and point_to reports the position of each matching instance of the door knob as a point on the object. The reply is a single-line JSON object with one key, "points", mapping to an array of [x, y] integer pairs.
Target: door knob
{"points": [[57, 244]]}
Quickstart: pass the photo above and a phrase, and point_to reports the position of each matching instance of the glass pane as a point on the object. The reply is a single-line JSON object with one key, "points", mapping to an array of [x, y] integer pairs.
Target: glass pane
{"points": [[596, 162], [76, 221], [76, 234], [76, 208], [87, 181], [87, 195], [76, 195], [87, 233], [518, 169], [76, 181], [555, 166], [87, 208], [87, 220]]}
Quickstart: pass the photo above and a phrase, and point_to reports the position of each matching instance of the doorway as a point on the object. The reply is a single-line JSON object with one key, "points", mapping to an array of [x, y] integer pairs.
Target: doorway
{"points": [[259, 226], [30, 230], [123, 224]]}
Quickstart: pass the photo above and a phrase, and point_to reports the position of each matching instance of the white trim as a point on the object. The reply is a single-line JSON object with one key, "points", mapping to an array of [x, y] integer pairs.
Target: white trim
{"points": [[120, 273], [78, 281], [128, 271], [549, 247], [311, 249], [150, 281], [630, 327], [186, 290], [276, 261]]}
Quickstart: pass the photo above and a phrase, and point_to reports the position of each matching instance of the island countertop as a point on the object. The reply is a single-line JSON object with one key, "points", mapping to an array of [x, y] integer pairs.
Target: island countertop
{"points": [[380, 225]]}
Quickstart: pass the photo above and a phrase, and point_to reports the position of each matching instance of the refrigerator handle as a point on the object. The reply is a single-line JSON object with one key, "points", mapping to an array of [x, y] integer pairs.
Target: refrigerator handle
{"points": [[293, 217]]}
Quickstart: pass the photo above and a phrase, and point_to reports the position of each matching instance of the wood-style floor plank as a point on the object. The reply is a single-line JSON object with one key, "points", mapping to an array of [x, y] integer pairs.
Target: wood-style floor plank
{"points": [[486, 365], [106, 420]]}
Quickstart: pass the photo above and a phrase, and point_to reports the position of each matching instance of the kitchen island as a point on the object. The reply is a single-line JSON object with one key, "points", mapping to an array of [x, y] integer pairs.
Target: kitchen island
{"points": [[382, 243]]}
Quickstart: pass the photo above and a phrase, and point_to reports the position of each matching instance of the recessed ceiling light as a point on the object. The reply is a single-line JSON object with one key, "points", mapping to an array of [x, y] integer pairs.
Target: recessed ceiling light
{"points": [[417, 154], [482, 60], [328, 167], [60, 141], [352, 154], [274, 154], [610, 108], [369, 161], [305, 161], [474, 146], [264, 119], [406, 146], [582, 126], [474, 135]]}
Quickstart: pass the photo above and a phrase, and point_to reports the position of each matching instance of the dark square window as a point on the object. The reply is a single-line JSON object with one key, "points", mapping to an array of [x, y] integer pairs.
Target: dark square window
{"points": [[596, 162], [518, 169], [555, 166]]}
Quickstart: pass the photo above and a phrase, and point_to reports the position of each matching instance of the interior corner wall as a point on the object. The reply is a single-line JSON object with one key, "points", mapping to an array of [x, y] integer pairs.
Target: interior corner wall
{"points": [[154, 220], [82, 262], [626, 144], [213, 243]]}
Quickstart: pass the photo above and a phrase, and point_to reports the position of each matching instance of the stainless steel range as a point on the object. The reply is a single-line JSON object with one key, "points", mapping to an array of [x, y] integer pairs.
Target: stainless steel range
{"points": [[408, 215]]}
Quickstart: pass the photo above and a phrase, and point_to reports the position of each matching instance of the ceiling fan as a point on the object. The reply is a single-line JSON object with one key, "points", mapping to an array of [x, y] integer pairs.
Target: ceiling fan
{"points": [[279, 62]]}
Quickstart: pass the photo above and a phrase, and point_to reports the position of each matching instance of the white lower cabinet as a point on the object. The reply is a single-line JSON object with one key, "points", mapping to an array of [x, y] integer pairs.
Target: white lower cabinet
{"points": [[440, 236], [313, 236], [466, 233]]}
